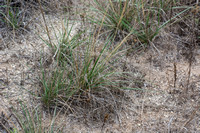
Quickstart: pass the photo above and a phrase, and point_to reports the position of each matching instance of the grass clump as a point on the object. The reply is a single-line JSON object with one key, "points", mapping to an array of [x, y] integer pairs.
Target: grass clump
{"points": [[80, 71], [31, 120], [12, 14], [143, 19], [17, 15]]}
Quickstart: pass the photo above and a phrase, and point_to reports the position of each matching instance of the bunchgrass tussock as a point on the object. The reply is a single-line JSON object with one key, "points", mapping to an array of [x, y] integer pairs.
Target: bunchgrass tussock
{"points": [[12, 18], [80, 72], [14, 14], [31, 120], [143, 19]]}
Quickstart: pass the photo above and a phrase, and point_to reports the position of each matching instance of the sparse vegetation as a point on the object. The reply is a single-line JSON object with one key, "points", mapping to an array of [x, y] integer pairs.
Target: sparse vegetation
{"points": [[86, 70]]}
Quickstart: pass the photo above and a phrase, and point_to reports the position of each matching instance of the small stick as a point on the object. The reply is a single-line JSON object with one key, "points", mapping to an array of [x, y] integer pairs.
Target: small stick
{"points": [[22, 78], [175, 74]]}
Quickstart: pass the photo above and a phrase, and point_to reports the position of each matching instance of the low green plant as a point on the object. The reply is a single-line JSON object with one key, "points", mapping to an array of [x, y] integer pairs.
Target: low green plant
{"points": [[79, 70], [143, 19], [31, 121], [12, 17], [65, 43]]}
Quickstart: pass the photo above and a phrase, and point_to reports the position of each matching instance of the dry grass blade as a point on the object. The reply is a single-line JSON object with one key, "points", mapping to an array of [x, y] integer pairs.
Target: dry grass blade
{"points": [[190, 118], [45, 23]]}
